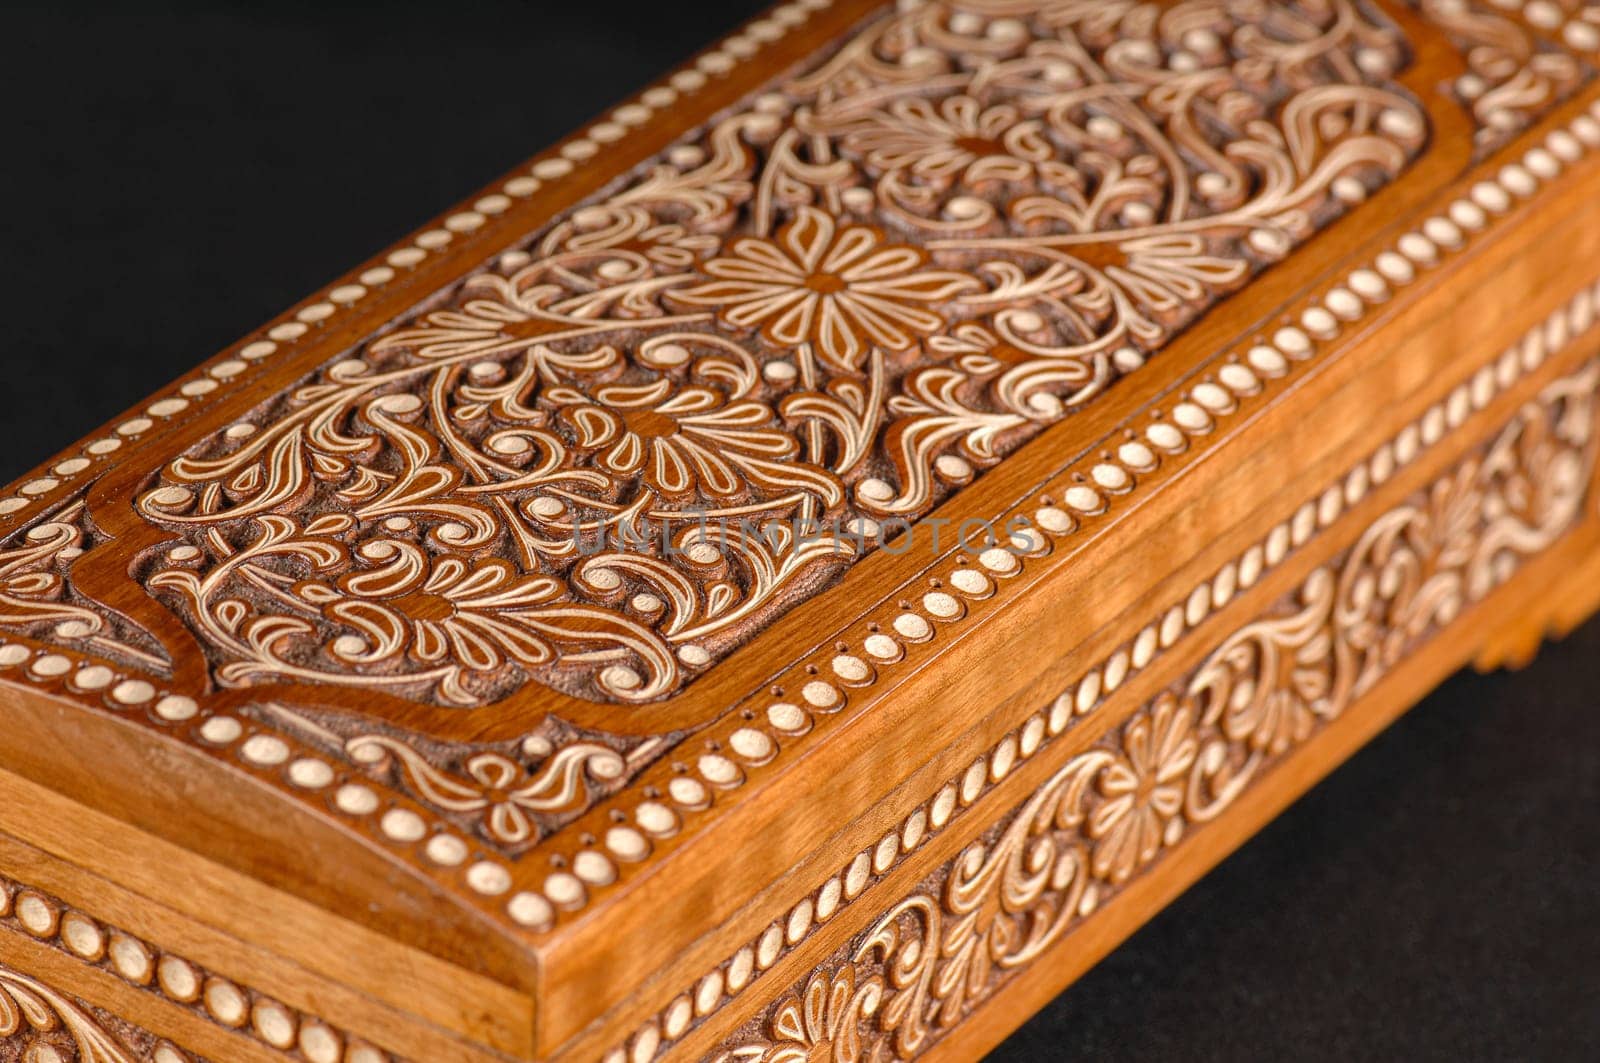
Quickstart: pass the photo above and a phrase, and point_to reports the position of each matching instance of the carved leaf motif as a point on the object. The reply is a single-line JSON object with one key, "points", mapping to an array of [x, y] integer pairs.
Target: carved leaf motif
{"points": [[505, 798], [28, 1007], [36, 593], [1512, 76]]}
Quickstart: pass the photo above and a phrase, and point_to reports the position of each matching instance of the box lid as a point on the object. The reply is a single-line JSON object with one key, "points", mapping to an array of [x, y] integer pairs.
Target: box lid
{"points": [[540, 595]]}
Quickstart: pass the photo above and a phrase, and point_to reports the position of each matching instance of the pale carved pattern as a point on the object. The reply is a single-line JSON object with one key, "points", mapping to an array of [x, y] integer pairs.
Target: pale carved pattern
{"points": [[614, 457], [36, 594], [1513, 76], [510, 795], [40, 1025], [497, 787], [1116, 808], [822, 1022]]}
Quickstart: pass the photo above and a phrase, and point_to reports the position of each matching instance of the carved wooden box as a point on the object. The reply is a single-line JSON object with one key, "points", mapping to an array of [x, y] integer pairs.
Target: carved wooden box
{"points": [[804, 567]]}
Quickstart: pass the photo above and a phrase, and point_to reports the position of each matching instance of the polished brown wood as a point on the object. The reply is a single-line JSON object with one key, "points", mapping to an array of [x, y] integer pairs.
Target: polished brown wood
{"points": [[805, 566]]}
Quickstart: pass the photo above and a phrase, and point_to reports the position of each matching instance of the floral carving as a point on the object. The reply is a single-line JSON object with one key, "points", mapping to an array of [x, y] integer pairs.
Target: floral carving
{"points": [[513, 805], [612, 457], [1143, 792], [1117, 807], [35, 593], [684, 441], [33, 589], [821, 1024], [509, 794], [1512, 75], [455, 617], [840, 289], [42, 1024], [955, 139]]}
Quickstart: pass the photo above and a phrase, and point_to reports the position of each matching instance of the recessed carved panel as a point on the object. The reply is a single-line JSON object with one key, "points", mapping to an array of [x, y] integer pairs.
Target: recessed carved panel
{"points": [[443, 557], [614, 456]]}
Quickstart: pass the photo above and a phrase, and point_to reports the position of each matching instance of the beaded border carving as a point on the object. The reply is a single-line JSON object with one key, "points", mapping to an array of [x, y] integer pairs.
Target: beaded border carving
{"points": [[219, 1000], [485, 215], [823, 685]]}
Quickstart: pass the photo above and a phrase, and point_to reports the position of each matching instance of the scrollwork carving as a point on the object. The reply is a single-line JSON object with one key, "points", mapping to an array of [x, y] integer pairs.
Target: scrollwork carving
{"points": [[36, 593], [40, 1025], [508, 794], [1512, 75], [614, 457], [1118, 807]]}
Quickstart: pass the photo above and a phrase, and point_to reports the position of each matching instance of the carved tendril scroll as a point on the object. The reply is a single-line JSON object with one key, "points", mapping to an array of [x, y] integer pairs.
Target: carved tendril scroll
{"points": [[1515, 70], [1116, 809], [41, 1025], [613, 457]]}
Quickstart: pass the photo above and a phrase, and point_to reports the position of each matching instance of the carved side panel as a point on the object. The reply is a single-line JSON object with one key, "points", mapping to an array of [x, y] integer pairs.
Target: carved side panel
{"points": [[41, 1024], [1112, 812], [37, 1019]]}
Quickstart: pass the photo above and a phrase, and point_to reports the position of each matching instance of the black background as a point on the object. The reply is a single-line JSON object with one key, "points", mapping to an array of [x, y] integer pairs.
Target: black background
{"points": [[173, 176]]}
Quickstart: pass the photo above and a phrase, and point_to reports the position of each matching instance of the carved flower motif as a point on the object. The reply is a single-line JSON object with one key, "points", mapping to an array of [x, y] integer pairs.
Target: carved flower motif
{"points": [[683, 438], [821, 1026], [629, 232], [956, 136], [1143, 791], [440, 611], [506, 807], [843, 290], [1168, 272], [497, 788], [498, 320]]}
